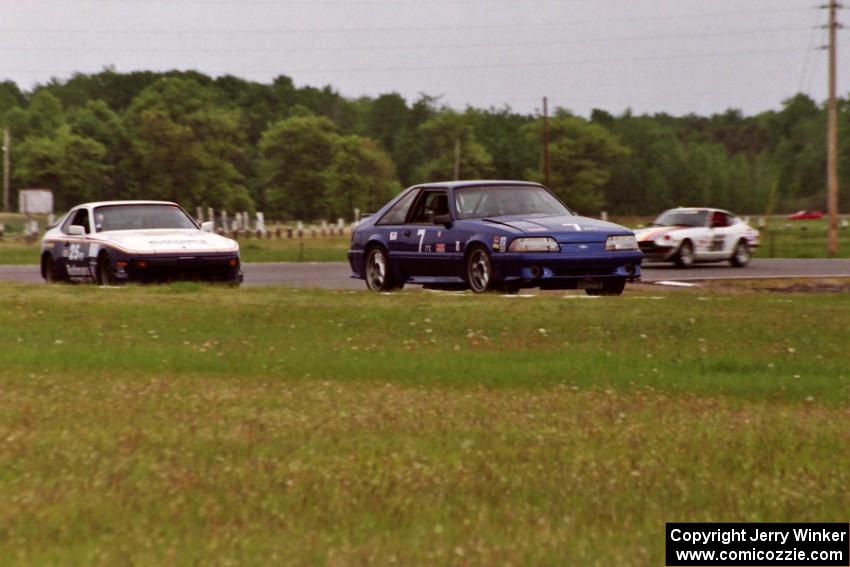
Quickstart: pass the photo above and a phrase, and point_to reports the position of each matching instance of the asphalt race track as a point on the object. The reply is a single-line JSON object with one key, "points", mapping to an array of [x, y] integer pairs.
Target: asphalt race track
{"points": [[335, 275]]}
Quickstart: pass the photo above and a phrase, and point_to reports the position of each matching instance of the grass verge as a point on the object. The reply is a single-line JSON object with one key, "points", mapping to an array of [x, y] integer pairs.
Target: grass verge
{"points": [[187, 424]]}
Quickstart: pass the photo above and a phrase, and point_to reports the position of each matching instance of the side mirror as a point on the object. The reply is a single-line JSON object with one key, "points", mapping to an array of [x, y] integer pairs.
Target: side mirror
{"points": [[76, 230], [208, 226], [445, 219]]}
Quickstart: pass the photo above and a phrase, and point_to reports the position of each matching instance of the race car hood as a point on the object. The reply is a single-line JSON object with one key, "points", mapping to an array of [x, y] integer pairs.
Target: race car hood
{"points": [[566, 228], [168, 241]]}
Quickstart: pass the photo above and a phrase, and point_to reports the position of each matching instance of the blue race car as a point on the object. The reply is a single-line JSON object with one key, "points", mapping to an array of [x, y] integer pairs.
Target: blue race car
{"points": [[488, 235]]}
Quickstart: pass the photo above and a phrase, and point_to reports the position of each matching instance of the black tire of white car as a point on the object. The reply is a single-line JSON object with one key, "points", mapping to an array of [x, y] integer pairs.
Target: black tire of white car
{"points": [[685, 256], [741, 256], [104, 270], [609, 287], [50, 275]]}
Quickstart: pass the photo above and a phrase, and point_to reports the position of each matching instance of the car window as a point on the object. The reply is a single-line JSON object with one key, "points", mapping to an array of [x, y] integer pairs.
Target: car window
{"points": [[720, 220], [432, 203], [682, 217], [482, 202], [398, 212], [141, 217], [80, 218]]}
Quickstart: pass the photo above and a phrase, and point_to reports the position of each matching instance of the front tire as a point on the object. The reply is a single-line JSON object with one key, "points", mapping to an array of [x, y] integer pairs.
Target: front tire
{"points": [[50, 271], [741, 256], [377, 270], [609, 287], [685, 256], [479, 270], [105, 275]]}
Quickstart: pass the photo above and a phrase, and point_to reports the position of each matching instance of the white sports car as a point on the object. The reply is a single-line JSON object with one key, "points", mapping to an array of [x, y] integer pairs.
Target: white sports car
{"points": [[688, 236], [118, 241]]}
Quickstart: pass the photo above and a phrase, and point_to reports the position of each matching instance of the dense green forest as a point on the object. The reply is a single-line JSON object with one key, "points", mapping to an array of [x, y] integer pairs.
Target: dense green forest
{"points": [[310, 153]]}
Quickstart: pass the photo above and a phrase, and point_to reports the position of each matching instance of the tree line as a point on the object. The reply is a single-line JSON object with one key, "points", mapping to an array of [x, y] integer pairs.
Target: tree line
{"points": [[310, 153]]}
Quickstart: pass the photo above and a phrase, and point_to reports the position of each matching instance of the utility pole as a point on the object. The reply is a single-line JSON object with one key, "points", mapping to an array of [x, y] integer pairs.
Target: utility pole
{"points": [[457, 160], [7, 150], [832, 134], [546, 141]]}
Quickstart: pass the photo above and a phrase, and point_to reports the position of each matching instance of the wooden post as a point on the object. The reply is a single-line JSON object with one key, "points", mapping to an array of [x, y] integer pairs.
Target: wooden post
{"points": [[457, 160], [546, 141], [7, 151], [832, 136]]}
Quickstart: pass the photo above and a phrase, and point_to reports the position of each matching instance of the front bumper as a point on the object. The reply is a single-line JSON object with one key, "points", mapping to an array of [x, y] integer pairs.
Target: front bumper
{"points": [[559, 271], [225, 267], [653, 252]]}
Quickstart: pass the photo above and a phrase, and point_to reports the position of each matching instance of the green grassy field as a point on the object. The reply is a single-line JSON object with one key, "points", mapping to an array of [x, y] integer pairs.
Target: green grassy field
{"points": [[188, 424]]}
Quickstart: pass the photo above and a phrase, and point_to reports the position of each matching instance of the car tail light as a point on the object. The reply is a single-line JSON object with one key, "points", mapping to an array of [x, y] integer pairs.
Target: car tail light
{"points": [[233, 262], [141, 264]]}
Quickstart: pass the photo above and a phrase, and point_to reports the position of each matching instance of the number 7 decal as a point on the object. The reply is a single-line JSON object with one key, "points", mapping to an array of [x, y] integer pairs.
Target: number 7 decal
{"points": [[421, 234]]}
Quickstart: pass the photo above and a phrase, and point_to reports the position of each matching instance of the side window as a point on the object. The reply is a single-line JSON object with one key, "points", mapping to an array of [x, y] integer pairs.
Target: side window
{"points": [[432, 203], [398, 212], [720, 220], [82, 218]]}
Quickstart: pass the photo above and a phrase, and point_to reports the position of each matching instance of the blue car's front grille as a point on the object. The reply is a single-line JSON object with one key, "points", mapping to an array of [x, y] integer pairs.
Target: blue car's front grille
{"points": [[581, 271]]}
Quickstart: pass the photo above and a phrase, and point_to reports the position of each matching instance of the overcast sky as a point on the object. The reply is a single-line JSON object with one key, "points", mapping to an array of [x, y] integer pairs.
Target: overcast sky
{"points": [[676, 56]]}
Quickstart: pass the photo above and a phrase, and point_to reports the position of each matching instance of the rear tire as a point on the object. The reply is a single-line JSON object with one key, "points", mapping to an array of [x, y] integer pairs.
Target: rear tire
{"points": [[609, 287], [742, 255], [685, 256], [479, 270]]}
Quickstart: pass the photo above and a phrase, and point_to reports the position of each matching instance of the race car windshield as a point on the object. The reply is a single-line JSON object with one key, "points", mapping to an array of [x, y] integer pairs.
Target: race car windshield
{"points": [[494, 201], [682, 218], [140, 217]]}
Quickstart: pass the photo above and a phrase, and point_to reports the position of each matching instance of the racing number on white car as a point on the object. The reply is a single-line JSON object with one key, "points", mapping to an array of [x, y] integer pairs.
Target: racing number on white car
{"points": [[75, 254], [717, 243]]}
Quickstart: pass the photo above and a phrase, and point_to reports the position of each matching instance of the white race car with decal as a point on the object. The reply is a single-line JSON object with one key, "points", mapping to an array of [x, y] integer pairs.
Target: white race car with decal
{"points": [[116, 241], [687, 236]]}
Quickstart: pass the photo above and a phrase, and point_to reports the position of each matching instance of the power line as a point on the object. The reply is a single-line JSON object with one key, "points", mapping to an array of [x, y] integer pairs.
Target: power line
{"points": [[804, 72], [480, 66], [401, 29], [349, 48], [240, 3]]}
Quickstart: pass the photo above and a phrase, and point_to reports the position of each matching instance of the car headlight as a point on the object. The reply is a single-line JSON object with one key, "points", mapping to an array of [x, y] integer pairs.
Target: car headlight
{"points": [[534, 245], [628, 242]]}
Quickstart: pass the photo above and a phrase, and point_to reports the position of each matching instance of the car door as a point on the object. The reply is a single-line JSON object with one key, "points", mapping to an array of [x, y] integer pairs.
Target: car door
{"points": [[424, 244], [393, 225], [721, 235], [76, 248]]}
